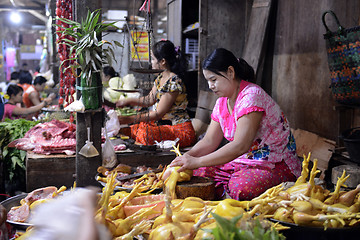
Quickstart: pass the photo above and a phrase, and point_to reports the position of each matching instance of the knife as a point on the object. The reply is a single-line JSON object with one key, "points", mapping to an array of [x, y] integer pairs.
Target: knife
{"points": [[136, 175]]}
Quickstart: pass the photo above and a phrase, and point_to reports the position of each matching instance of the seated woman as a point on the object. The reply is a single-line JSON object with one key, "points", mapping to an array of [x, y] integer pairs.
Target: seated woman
{"points": [[261, 151], [110, 96], [107, 74], [31, 96], [13, 109], [169, 119], [25, 80]]}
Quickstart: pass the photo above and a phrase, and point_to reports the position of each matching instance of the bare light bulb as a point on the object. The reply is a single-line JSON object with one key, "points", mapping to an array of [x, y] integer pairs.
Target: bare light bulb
{"points": [[15, 17]]}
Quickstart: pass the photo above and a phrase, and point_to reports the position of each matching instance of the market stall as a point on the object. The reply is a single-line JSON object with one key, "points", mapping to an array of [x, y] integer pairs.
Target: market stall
{"points": [[299, 209], [137, 194]]}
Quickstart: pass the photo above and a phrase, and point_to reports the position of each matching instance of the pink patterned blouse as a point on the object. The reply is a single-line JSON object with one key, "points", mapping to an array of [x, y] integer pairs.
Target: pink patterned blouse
{"points": [[8, 110], [273, 142]]}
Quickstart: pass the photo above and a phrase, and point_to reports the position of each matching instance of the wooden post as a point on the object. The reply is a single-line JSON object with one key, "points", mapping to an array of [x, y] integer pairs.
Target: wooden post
{"points": [[2, 61], [54, 63], [85, 169]]}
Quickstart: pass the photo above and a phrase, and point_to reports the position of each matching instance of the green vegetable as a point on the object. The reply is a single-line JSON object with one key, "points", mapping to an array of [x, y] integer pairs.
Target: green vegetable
{"points": [[250, 229], [125, 111], [14, 159]]}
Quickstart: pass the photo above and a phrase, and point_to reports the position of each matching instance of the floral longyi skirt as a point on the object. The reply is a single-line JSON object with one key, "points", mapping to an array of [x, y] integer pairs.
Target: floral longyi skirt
{"points": [[147, 133]]}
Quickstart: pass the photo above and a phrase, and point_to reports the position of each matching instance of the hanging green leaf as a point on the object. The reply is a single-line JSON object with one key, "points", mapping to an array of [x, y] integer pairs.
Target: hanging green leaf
{"points": [[86, 34]]}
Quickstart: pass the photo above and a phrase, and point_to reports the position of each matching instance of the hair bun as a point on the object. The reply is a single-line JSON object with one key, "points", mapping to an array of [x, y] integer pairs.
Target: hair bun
{"points": [[247, 70]]}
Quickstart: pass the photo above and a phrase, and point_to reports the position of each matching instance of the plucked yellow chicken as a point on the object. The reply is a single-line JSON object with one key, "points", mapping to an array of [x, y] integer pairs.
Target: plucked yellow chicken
{"points": [[165, 227], [172, 176], [138, 229], [307, 188], [336, 194], [118, 211], [121, 227]]}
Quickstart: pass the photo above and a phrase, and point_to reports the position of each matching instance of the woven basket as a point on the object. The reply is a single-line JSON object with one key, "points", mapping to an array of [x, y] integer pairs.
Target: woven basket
{"points": [[343, 51]]}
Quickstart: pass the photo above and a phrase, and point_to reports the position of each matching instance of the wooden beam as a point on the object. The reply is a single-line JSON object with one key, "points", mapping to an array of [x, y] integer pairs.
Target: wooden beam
{"points": [[21, 8], [86, 167], [256, 33]]}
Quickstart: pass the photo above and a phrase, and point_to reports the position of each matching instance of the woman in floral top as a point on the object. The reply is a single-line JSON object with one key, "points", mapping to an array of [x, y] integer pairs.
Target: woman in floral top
{"points": [[261, 152], [169, 119]]}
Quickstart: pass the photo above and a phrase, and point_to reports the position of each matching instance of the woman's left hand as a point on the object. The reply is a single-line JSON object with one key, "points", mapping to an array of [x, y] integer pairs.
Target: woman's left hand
{"points": [[185, 162]]}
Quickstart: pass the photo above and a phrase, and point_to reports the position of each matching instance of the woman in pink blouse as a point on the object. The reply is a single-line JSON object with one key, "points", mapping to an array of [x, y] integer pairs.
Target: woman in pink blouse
{"points": [[261, 151], [12, 108]]}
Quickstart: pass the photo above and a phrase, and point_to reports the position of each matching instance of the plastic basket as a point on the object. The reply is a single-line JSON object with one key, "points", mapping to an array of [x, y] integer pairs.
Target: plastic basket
{"points": [[191, 46], [351, 138]]}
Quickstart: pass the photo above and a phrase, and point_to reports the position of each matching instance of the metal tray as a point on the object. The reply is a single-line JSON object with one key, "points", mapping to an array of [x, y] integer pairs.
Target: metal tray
{"points": [[117, 188], [136, 175], [13, 202], [128, 91], [298, 232]]}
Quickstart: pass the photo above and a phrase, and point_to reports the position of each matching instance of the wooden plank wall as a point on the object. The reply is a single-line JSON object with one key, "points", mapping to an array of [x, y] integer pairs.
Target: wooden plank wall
{"points": [[300, 75], [223, 24]]}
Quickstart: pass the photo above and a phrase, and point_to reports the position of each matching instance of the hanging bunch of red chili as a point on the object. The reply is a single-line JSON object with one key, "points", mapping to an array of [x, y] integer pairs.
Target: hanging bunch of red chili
{"points": [[67, 76]]}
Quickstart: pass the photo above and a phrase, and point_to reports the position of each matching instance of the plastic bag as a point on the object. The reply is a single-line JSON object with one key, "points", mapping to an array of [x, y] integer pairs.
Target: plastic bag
{"points": [[109, 159], [112, 125], [167, 143], [76, 106], [68, 217]]}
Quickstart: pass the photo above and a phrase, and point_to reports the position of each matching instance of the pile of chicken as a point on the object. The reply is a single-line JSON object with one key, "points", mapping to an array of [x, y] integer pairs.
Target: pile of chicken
{"points": [[165, 217], [308, 204], [161, 217]]}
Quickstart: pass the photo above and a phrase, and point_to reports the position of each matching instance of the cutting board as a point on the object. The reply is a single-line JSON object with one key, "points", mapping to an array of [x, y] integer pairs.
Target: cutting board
{"points": [[201, 187]]}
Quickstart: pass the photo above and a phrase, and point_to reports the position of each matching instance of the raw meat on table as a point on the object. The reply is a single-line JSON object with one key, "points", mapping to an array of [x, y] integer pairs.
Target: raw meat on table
{"points": [[49, 138]]}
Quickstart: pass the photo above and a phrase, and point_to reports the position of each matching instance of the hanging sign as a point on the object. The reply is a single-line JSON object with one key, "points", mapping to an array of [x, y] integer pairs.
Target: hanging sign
{"points": [[139, 46]]}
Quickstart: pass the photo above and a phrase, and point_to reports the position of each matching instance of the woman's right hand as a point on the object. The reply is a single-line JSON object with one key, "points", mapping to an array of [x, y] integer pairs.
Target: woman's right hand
{"points": [[122, 103], [52, 95], [48, 100], [185, 162]]}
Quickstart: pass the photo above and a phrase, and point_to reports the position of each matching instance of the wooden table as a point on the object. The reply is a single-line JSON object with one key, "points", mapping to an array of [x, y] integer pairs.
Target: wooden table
{"points": [[59, 169], [49, 170]]}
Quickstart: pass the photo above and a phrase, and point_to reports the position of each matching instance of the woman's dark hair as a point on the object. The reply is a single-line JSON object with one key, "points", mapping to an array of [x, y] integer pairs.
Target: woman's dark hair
{"points": [[25, 77], [221, 59], [110, 71], [176, 60], [13, 89], [39, 80]]}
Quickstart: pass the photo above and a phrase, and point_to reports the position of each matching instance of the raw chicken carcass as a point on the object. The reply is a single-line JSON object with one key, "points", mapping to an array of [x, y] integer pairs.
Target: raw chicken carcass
{"points": [[41, 193]]}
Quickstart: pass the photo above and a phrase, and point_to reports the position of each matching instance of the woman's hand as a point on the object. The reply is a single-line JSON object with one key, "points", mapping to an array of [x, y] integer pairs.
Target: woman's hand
{"points": [[121, 103], [52, 96], [48, 100], [185, 162], [124, 103]]}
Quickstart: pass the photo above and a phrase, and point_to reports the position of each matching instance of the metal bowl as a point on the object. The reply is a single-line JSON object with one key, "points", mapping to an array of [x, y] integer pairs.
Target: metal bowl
{"points": [[13, 202]]}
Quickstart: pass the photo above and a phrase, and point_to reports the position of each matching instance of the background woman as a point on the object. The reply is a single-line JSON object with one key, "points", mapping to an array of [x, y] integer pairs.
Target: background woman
{"points": [[108, 73], [31, 96], [169, 119], [12, 108], [261, 152]]}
